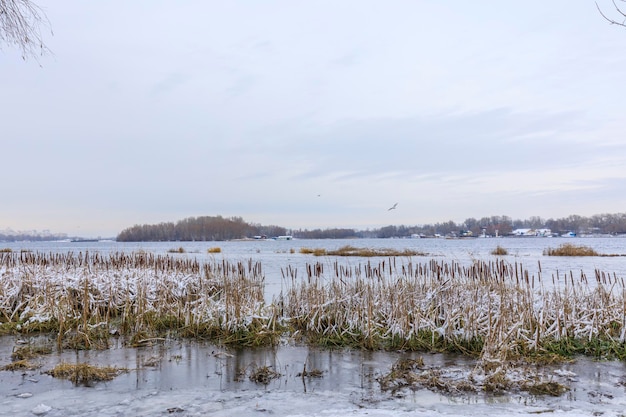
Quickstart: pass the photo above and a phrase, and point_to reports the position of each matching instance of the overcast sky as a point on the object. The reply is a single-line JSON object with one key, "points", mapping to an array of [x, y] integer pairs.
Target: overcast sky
{"points": [[313, 114]]}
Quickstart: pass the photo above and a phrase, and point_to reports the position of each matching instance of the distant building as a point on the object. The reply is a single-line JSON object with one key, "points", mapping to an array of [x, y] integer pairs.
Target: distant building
{"points": [[532, 232]]}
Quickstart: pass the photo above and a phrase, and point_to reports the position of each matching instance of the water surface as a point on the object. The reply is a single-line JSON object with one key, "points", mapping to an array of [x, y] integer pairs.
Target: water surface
{"points": [[190, 378]]}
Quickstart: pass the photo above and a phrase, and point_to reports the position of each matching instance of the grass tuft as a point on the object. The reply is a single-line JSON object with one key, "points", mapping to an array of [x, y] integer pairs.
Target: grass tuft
{"points": [[29, 352], [20, 365], [499, 250], [349, 250], [403, 373], [568, 249], [263, 375], [85, 374], [314, 251], [551, 388]]}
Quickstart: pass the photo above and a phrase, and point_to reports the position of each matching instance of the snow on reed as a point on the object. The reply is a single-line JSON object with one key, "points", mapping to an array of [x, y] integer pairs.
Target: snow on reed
{"points": [[492, 308], [496, 304], [128, 293]]}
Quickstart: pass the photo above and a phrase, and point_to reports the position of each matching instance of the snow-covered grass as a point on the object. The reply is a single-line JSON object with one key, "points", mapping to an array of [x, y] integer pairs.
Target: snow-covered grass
{"points": [[494, 310], [87, 297]]}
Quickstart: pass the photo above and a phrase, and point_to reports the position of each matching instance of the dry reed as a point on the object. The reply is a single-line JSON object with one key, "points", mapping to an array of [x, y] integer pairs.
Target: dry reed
{"points": [[20, 365], [568, 249], [362, 252], [499, 250], [87, 297], [85, 374], [493, 310], [263, 375]]}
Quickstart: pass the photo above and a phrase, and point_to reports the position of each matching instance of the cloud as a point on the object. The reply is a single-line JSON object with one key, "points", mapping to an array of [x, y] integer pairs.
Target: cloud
{"points": [[169, 83], [461, 143], [159, 111]]}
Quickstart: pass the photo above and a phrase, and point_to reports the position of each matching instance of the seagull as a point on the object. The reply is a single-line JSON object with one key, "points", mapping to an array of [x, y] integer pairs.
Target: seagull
{"points": [[392, 207]]}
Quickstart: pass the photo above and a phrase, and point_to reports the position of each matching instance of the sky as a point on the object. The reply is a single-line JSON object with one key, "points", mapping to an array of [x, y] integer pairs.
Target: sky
{"points": [[313, 114]]}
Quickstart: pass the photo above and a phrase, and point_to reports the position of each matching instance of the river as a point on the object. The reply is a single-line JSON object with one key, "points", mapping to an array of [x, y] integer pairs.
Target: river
{"points": [[191, 378]]}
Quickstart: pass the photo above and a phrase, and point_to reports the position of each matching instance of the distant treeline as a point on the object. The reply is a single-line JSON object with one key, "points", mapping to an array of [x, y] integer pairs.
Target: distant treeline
{"points": [[218, 228], [30, 237], [204, 228], [504, 225]]}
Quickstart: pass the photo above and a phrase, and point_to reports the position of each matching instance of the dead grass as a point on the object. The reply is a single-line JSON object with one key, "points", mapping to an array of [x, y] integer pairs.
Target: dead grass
{"points": [[87, 298], [497, 382], [485, 309], [313, 373], [313, 251], [413, 374], [349, 250], [403, 373], [568, 249], [215, 249], [494, 309], [20, 365], [85, 374], [263, 375], [81, 338], [551, 388], [499, 250], [29, 352]]}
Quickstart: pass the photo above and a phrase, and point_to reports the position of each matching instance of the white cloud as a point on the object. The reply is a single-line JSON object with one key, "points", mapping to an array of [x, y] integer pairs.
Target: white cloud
{"points": [[157, 111]]}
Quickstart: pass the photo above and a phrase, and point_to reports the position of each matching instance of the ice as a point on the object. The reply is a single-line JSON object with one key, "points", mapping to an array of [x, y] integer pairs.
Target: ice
{"points": [[195, 379], [41, 409], [192, 379]]}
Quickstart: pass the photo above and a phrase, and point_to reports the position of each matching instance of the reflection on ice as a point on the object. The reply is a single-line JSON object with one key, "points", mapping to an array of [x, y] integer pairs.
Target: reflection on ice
{"points": [[191, 379]]}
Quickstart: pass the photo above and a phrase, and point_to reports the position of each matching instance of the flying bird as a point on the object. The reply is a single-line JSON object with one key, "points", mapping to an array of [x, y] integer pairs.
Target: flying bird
{"points": [[392, 207]]}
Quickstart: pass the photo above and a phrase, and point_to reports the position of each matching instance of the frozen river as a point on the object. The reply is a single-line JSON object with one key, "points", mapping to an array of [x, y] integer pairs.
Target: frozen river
{"points": [[192, 379], [276, 255], [195, 379]]}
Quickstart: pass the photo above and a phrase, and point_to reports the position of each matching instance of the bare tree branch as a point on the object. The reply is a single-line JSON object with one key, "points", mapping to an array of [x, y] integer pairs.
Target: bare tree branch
{"points": [[613, 21], [20, 26]]}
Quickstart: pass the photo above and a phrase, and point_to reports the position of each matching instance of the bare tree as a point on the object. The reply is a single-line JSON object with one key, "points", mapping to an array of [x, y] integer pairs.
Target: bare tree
{"points": [[20, 25], [620, 12]]}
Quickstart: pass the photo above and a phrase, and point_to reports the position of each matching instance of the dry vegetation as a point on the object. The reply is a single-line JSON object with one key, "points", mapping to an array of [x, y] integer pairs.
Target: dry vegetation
{"points": [[20, 365], [86, 298], [363, 252], [313, 251], [499, 250], [263, 375], [568, 249], [178, 250], [414, 374], [85, 374], [494, 311], [490, 309]]}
